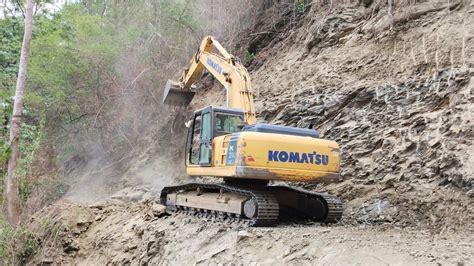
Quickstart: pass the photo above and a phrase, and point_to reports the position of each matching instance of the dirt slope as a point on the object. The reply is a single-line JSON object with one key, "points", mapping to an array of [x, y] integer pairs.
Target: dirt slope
{"points": [[399, 103], [126, 232]]}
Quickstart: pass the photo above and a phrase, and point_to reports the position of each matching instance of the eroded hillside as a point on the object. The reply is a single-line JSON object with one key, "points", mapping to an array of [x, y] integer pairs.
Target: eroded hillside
{"points": [[398, 101]]}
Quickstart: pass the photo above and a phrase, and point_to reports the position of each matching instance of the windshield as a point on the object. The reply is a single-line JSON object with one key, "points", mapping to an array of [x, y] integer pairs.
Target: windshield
{"points": [[228, 123]]}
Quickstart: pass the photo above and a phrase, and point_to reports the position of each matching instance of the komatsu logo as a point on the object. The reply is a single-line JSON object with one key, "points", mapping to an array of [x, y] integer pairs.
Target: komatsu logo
{"points": [[214, 65], [297, 157]]}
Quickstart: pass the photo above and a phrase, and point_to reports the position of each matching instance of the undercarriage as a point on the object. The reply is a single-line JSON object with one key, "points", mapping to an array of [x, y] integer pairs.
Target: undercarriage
{"points": [[253, 204]]}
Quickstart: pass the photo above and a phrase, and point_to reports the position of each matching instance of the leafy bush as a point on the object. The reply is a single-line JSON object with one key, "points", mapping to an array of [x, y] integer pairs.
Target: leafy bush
{"points": [[299, 6], [248, 57], [30, 139], [16, 245]]}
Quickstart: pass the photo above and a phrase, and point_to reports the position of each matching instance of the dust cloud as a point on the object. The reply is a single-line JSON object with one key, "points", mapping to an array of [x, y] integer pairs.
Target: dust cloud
{"points": [[133, 140]]}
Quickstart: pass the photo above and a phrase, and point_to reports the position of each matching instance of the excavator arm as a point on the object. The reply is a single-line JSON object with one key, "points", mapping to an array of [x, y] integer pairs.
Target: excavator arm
{"points": [[226, 68]]}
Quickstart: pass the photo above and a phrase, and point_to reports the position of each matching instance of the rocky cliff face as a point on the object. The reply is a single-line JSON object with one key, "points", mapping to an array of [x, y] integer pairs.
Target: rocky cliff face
{"points": [[398, 101]]}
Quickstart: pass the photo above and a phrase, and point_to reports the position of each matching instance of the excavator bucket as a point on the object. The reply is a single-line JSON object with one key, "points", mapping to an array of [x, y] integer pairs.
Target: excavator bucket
{"points": [[175, 95]]}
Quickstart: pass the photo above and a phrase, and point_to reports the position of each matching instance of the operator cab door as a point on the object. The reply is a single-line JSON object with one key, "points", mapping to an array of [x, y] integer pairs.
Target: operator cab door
{"points": [[207, 124], [205, 142], [199, 142]]}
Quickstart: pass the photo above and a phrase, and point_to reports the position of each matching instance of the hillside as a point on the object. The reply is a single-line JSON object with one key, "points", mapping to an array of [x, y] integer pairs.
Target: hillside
{"points": [[399, 101]]}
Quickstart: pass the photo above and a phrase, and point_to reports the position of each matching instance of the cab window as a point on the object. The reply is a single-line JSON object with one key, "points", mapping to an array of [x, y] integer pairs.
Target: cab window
{"points": [[227, 123]]}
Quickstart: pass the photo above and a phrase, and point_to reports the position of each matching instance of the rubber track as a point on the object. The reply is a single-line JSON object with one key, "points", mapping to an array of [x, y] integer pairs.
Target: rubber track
{"points": [[267, 213], [334, 207]]}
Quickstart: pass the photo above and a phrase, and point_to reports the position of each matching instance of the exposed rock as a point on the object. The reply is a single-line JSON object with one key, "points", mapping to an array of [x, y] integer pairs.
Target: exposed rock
{"points": [[158, 210], [242, 235]]}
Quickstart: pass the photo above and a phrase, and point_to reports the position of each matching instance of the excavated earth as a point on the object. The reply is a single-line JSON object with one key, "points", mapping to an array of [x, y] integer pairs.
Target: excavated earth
{"points": [[132, 229], [398, 101]]}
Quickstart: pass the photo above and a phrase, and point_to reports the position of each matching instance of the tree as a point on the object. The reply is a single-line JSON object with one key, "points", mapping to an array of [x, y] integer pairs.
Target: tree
{"points": [[13, 210]]}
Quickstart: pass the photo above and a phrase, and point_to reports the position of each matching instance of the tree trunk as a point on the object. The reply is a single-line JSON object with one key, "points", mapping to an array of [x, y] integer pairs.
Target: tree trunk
{"points": [[12, 194]]}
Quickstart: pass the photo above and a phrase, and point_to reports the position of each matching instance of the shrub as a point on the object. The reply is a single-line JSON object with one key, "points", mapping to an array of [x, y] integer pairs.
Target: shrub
{"points": [[249, 57], [16, 244]]}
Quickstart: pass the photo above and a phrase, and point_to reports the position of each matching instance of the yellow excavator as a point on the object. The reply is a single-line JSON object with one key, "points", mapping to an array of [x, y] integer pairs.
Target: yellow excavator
{"points": [[226, 142]]}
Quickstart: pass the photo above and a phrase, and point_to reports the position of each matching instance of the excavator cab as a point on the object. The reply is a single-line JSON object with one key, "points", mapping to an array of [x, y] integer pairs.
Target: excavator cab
{"points": [[206, 124]]}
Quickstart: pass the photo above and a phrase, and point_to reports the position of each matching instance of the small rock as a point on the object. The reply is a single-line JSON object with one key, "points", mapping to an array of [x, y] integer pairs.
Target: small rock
{"points": [[366, 3], [316, 110], [434, 142], [241, 235], [139, 231], [389, 180], [287, 252], [70, 246], [75, 231], [470, 193], [158, 210], [98, 205], [47, 261], [130, 247], [443, 182]]}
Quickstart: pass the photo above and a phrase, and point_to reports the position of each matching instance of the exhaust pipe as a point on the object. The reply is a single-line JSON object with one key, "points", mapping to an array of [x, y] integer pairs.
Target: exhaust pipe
{"points": [[176, 95]]}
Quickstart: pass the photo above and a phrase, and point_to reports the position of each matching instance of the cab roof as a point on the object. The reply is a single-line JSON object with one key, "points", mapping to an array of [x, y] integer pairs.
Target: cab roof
{"points": [[221, 109]]}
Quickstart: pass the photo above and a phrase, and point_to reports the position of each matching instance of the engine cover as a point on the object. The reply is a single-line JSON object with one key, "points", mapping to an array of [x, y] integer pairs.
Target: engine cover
{"points": [[273, 156]]}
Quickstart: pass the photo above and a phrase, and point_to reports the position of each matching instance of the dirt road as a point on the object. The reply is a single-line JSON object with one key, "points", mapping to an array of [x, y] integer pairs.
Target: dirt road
{"points": [[313, 244], [140, 233]]}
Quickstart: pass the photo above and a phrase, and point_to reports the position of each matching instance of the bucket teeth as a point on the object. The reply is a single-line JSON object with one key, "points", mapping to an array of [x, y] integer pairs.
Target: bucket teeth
{"points": [[176, 95]]}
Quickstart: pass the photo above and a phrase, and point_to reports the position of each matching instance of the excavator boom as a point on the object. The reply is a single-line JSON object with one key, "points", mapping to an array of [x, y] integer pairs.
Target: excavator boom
{"points": [[226, 68]]}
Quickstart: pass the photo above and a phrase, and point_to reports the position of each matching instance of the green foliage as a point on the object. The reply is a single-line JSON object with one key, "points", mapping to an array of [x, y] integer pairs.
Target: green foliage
{"points": [[75, 55], [51, 229], [11, 35], [4, 151], [11, 30], [16, 245], [64, 56], [30, 139], [299, 6], [248, 57]]}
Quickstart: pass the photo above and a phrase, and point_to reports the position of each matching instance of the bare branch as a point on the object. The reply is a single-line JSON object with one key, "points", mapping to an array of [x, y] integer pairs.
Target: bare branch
{"points": [[20, 7]]}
